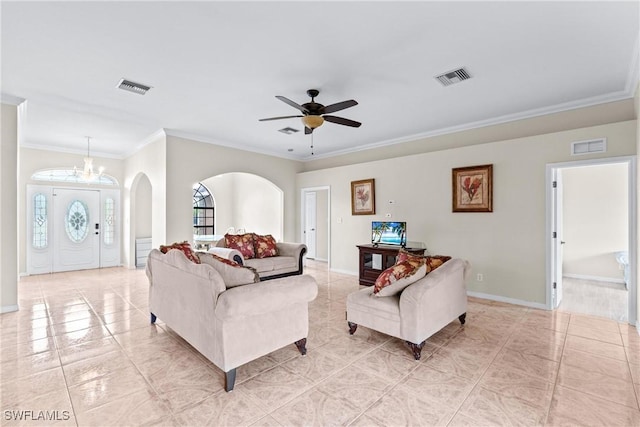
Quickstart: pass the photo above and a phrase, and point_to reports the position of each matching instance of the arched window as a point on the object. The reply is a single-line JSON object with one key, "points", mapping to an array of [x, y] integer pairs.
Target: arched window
{"points": [[203, 211]]}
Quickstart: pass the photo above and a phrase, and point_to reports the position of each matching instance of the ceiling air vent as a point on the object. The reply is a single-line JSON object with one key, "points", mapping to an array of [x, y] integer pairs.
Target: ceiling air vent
{"points": [[455, 76], [288, 130], [134, 87], [588, 147]]}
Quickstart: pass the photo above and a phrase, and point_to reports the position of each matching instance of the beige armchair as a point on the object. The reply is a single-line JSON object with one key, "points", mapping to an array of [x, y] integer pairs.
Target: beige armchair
{"points": [[419, 311], [230, 326]]}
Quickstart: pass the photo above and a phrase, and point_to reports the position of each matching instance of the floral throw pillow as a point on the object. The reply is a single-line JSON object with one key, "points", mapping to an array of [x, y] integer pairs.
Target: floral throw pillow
{"points": [[265, 246], [185, 247], [436, 261], [394, 279], [233, 274], [242, 243]]}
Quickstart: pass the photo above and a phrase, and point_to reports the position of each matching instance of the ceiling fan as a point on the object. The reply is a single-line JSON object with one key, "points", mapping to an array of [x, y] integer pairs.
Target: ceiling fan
{"points": [[314, 114]]}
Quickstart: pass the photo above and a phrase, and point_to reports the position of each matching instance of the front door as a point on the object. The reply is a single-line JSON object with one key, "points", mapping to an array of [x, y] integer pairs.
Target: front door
{"points": [[76, 240]]}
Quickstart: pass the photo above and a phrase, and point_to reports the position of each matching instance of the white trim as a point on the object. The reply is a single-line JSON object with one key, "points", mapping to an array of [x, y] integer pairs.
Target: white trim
{"points": [[321, 260], [148, 140], [347, 272], [8, 308], [633, 225], [633, 73], [237, 145], [5, 98], [302, 216], [594, 278], [558, 108], [65, 150], [499, 298]]}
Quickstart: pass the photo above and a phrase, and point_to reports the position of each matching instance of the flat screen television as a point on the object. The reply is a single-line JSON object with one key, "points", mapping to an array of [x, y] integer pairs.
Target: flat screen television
{"points": [[389, 233]]}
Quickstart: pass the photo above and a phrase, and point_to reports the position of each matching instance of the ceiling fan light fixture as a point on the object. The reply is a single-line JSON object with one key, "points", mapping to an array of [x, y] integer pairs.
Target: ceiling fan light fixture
{"points": [[312, 121]]}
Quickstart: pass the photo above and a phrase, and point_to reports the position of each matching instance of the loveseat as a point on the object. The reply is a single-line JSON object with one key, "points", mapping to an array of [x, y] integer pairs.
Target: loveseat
{"points": [[416, 312], [228, 321], [285, 260]]}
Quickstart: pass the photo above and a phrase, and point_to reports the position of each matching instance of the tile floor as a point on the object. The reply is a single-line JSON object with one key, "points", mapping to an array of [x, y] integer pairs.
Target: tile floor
{"points": [[82, 352]]}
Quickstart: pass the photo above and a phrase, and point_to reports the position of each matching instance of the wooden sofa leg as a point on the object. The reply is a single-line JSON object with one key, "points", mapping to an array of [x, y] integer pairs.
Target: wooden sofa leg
{"points": [[229, 379], [462, 318], [416, 349], [302, 346], [352, 327], [153, 318]]}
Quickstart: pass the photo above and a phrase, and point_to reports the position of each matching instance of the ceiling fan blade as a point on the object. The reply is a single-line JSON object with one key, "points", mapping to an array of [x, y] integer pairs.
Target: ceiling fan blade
{"points": [[307, 130], [278, 118], [339, 106], [293, 104], [342, 121]]}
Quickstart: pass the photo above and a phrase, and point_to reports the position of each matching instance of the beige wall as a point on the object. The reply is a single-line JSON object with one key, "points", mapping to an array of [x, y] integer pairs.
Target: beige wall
{"points": [[8, 215], [149, 162], [506, 246], [246, 201], [595, 220], [322, 243], [193, 161], [143, 209]]}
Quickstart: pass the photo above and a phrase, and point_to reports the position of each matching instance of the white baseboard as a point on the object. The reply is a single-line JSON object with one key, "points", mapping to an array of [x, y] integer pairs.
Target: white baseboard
{"points": [[594, 278], [507, 300], [23, 275], [321, 259], [347, 272], [8, 308]]}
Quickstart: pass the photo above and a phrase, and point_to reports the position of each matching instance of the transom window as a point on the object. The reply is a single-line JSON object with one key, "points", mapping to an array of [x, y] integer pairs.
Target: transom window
{"points": [[203, 211], [70, 176]]}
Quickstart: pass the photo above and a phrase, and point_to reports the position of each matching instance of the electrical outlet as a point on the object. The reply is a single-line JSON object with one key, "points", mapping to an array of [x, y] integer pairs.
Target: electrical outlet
{"points": [[479, 277], [339, 220], [388, 215]]}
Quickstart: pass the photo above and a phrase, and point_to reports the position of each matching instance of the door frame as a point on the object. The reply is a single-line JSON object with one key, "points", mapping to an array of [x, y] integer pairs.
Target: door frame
{"points": [[303, 199], [551, 169]]}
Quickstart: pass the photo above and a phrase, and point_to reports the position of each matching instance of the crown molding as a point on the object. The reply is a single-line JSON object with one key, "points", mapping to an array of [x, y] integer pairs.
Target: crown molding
{"points": [[70, 151], [529, 114], [236, 146], [148, 140], [5, 98], [633, 75]]}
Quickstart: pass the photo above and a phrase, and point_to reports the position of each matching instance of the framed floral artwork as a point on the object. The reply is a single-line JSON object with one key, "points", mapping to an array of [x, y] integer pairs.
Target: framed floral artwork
{"points": [[363, 200], [472, 189]]}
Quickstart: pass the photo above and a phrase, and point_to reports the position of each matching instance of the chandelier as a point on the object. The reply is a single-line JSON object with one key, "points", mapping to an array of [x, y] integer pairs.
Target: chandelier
{"points": [[87, 174]]}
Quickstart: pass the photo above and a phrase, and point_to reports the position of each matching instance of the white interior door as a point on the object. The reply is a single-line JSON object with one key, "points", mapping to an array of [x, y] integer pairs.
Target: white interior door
{"points": [[557, 237], [110, 228], [310, 223], [76, 240]]}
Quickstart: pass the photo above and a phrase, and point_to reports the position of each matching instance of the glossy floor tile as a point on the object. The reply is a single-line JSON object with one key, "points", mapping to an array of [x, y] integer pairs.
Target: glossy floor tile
{"points": [[82, 352]]}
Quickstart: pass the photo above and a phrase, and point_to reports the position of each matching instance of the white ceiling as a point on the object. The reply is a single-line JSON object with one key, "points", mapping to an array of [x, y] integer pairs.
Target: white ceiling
{"points": [[215, 68]]}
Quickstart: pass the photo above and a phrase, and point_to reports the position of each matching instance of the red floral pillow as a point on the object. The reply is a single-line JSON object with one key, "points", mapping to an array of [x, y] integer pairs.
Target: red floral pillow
{"points": [[432, 261], [265, 246], [242, 243], [185, 247], [394, 279]]}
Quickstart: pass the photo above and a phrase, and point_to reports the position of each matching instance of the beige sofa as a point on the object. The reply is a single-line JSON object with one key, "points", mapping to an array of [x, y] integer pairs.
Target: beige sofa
{"points": [[419, 311], [289, 261], [230, 326]]}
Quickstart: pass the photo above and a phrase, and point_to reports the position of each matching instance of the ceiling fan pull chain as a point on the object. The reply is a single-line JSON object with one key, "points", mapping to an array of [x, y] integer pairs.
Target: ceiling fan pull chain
{"points": [[312, 143]]}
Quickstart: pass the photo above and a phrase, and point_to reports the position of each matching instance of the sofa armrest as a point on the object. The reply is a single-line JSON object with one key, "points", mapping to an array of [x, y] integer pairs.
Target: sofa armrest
{"points": [[260, 298], [226, 253], [291, 249], [432, 302]]}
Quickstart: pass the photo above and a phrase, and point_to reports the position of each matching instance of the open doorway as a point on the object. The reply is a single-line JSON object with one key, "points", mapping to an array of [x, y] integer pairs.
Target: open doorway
{"points": [[591, 209], [315, 203]]}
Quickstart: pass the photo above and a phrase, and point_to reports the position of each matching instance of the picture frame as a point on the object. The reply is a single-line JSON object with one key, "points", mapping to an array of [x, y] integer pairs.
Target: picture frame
{"points": [[472, 189], [363, 200]]}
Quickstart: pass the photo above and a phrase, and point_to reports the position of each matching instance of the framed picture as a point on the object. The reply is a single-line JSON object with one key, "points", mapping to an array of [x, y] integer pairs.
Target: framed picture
{"points": [[472, 189], [363, 197]]}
